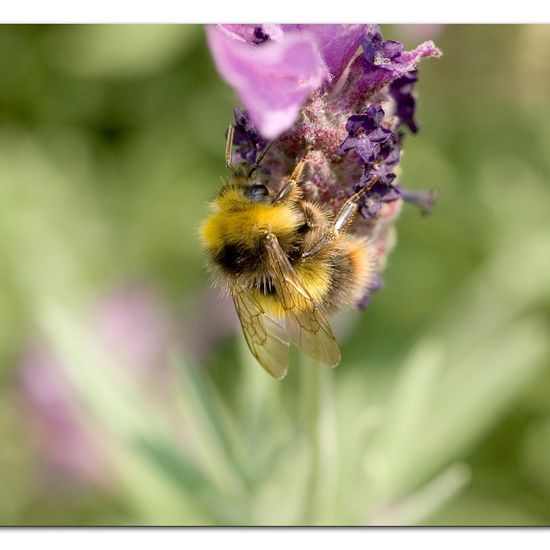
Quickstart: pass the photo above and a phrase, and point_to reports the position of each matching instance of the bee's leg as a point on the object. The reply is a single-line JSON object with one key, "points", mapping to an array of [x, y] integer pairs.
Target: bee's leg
{"points": [[345, 217], [291, 184]]}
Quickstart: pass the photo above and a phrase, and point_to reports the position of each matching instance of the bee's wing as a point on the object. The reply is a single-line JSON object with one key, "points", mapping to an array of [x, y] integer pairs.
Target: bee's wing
{"points": [[266, 338], [306, 323]]}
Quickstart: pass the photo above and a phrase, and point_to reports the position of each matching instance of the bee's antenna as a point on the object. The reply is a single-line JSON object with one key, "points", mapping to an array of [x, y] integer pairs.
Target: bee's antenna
{"points": [[256, 165], [228, 147]]}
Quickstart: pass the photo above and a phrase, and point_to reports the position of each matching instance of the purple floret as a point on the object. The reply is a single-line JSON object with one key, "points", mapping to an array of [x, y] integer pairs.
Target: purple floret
{"points": [[248, 143], [379, 193], [366, 135], [382, 62], [401, 90], [376, 145], [376, 284], [424, 199], [377, 51]]}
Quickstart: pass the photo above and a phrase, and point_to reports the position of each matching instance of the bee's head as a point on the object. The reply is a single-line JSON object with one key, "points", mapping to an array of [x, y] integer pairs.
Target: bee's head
{"points": [[241, 208], [256, 192], [241, 193]]}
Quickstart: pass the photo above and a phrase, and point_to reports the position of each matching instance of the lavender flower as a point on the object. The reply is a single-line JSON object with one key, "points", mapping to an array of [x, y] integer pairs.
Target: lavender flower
{"points": [[338, 95], [68, 448]]}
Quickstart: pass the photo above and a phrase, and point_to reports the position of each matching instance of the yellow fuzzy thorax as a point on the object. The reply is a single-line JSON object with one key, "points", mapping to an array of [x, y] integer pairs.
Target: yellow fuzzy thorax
{"points": [[236, 220]]}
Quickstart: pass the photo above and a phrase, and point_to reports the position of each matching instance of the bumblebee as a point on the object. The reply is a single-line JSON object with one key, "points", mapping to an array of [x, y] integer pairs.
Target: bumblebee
{"points": [[286, 261]]}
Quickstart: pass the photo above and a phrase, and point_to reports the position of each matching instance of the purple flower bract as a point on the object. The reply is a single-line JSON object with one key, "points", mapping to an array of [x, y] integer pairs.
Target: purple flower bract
{"points": [[273, 78]]}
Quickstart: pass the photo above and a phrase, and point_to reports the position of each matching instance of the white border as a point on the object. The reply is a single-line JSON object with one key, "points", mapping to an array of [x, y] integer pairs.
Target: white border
{"points": [[164, 11], [265, 11], [275, 539]]}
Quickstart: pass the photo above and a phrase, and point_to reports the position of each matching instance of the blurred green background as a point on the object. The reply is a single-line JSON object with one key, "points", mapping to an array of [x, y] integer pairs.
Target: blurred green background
{"points": [[111, 144]]}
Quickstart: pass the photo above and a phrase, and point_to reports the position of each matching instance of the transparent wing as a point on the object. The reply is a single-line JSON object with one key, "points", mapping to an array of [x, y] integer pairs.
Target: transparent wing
{"points": [[306, 323], [266, 338]]}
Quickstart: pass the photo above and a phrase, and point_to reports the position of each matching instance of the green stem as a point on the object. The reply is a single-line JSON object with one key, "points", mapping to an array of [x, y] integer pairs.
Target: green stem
{"points": [[318, 422]]}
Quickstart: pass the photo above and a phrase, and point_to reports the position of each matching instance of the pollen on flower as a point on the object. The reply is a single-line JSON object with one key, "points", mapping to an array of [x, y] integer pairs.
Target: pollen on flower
{"points": [[349, 126]]}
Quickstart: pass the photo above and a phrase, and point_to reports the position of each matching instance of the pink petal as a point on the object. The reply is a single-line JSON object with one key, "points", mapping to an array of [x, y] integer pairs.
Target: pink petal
{"points": [[364, 79], [337, 43], [273, 79]]}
